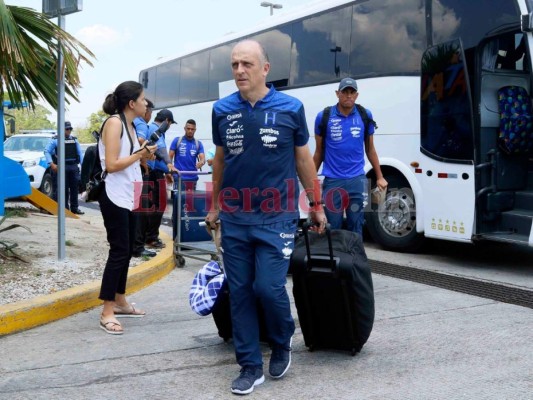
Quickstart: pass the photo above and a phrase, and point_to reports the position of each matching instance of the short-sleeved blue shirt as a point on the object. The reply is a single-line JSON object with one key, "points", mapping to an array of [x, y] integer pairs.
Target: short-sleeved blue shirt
{"points": [[260, 181], [51, 149], [159, 165], [345, 144], [141, 128], [186, 155]]}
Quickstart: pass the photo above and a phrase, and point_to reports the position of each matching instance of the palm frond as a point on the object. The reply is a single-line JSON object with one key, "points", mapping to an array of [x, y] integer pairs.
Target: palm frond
{"points": [[28, 56]]}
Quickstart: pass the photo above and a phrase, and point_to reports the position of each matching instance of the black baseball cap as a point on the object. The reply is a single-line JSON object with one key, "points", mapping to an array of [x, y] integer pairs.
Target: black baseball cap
{"points": [[165, 114]]}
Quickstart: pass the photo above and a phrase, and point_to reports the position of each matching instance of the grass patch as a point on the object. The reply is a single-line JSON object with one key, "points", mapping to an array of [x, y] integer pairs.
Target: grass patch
{"points": [[16, 212]]}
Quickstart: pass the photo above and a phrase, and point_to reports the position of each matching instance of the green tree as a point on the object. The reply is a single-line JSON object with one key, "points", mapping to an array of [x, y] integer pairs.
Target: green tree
{"points": [[33, 119], [95, 122], [28, 57]]}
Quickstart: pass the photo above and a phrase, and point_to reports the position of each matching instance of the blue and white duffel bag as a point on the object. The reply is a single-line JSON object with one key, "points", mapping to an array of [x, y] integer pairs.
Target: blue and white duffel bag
{"points": [[205, 288]]}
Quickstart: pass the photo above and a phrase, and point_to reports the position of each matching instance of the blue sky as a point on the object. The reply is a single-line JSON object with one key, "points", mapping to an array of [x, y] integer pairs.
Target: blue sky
{"points": [[129, 35]]}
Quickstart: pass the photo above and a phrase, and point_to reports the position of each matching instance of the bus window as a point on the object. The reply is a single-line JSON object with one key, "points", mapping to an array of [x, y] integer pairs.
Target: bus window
{"points": [[320, 47], [506, 52], [167, 87], [511, 52], [277, 42], [194, 78], [388, 37], [446, 117], [219, 68], [147, 78], [453, 18]]}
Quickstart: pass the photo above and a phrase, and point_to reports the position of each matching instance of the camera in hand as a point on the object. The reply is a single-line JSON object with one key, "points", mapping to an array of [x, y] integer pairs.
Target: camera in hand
{"points": [[154, 137]]}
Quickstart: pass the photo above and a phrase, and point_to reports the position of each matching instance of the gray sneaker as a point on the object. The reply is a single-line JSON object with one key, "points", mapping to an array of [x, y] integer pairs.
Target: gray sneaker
{"points": [[280, 360], [248, 378]]}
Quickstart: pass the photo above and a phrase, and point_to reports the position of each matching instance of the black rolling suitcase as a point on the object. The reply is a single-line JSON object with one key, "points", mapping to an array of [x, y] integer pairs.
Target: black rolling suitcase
{"points": [[333, 291], [222, 316]]}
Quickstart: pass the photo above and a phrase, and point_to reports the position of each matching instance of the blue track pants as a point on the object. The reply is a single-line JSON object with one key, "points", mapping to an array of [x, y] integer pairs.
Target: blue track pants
{"points": [[256, 260]]}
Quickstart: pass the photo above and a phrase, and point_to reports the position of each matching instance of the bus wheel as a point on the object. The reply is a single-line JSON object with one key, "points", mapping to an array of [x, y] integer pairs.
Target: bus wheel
{"points": [[392, 224], [46, 185]]}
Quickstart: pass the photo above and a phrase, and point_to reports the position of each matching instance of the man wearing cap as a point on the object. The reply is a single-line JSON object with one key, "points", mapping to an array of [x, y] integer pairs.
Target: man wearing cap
{"points": [[159, 174], [73, 157], [342, 148]]}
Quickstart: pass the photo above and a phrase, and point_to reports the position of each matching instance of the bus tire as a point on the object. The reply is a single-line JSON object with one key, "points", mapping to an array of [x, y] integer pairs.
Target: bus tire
{"points": [[46, 185], [392, 224]]}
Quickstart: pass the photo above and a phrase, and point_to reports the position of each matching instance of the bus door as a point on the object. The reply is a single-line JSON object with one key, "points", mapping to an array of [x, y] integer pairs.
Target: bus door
{"points": [[446, 170]]}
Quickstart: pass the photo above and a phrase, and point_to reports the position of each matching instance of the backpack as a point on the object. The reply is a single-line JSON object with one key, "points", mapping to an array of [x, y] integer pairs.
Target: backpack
{"points": [[91, 166], [362, 111], [92, 175], [87, 165]]}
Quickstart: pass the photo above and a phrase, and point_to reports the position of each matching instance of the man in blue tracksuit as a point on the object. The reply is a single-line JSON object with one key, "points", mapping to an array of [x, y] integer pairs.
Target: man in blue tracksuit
{"points": [[73, 158], [261, 146]]}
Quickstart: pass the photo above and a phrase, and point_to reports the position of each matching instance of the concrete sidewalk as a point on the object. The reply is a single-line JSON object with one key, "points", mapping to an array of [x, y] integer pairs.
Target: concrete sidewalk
{"points": [[427, 343], [23, 315]]}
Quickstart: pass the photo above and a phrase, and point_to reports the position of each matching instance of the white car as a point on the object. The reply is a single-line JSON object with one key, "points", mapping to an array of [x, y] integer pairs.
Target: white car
{"points": [[28, 150]]}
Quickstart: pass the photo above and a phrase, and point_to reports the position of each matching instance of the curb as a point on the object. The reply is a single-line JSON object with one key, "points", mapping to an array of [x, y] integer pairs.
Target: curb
{"points": [[41, 310]]}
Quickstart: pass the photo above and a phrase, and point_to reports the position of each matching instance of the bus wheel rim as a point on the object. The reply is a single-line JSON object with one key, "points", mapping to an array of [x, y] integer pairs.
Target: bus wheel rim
{"points": [[397, 214]]}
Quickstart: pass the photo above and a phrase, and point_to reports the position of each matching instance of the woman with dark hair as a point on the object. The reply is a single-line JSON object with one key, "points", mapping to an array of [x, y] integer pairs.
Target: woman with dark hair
{"points": [[120, 156]]}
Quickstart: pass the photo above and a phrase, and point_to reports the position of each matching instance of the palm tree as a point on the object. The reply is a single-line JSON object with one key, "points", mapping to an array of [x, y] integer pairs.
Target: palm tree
{"points": [[28, 57]]}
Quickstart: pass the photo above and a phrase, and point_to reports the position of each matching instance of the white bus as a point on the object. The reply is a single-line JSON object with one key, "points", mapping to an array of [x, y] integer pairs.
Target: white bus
{"points": [[430, 72]]}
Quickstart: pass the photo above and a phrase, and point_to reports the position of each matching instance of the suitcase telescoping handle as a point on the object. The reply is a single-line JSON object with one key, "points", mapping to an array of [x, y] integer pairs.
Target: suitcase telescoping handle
{"points": [[332, 260]]}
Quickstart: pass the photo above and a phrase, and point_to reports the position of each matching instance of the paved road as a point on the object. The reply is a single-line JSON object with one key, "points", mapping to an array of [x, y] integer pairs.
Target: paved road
{"points": [[427, 343]]}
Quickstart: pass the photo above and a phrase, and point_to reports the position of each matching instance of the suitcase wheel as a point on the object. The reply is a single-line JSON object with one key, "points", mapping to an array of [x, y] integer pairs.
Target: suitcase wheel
{"points": [[312, 348], [180, 261]]}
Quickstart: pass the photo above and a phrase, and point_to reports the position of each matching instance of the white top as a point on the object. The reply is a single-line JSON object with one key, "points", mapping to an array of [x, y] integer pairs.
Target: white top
{"points": [[123, 187]]}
